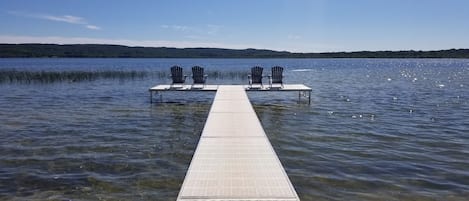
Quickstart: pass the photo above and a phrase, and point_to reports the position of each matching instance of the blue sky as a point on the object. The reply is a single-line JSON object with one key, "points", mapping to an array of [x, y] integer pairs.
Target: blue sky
{"points": [[292, 25]]}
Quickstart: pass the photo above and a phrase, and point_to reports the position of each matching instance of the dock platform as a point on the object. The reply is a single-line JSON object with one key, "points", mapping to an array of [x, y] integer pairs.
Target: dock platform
{"points": [[300, 88], [234, 159]]}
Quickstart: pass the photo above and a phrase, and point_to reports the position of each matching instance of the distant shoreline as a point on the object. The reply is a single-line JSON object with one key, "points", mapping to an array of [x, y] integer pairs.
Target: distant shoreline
{"points": [[119, 51]]}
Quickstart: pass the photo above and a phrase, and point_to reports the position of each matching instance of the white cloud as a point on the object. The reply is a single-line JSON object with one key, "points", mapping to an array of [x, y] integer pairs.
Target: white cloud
{"points": [[176, 27], [64, 18], [194, 37], [93, 27], [209, 29], [180, 28]]}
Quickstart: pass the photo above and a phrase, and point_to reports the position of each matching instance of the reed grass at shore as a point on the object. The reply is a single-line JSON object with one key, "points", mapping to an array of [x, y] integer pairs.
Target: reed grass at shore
{"points": [[14, 76], [30, 77]]}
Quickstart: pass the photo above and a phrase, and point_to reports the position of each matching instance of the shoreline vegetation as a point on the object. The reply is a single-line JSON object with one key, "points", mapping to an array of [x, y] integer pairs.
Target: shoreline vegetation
{"points": [[119, 51], [32, 77]]}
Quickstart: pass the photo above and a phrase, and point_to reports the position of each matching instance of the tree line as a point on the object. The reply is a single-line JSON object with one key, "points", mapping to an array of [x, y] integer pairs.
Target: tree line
{"points": [[119, 51]]}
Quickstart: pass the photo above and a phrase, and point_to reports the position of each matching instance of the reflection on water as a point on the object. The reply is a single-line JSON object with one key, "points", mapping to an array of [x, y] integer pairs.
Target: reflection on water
{"points": [[376, 130]]}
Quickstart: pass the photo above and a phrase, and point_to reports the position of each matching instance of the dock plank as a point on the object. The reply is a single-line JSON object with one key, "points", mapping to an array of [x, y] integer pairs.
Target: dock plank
{"points": [[234, 159]]}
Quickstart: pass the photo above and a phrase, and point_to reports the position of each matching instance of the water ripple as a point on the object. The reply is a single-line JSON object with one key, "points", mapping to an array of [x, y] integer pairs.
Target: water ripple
{"points": [[377, 129]]}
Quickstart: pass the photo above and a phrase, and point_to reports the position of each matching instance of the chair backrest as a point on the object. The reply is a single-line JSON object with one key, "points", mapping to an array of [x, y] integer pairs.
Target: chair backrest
{"points": [[198, 75], [256, 74], [277, 74], [176, 74]]}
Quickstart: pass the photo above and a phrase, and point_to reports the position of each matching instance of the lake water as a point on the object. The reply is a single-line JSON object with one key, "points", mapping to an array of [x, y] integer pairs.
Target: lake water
{"points": [[377, 129]]}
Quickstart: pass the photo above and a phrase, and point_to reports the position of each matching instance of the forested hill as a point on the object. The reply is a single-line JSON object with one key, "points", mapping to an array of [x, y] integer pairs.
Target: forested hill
{"points": [[118, 51]]}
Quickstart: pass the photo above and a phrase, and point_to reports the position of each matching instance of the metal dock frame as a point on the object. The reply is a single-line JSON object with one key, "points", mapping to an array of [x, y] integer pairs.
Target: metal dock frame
{"points": [[300, 88]]}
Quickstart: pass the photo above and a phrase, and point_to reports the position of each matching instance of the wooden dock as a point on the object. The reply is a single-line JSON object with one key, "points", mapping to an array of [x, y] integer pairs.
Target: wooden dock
{"points": [[234, 159], [300, 88]]}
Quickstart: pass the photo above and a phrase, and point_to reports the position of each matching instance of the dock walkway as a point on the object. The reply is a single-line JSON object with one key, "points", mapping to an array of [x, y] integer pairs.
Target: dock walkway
{"points": [[234, 159]]}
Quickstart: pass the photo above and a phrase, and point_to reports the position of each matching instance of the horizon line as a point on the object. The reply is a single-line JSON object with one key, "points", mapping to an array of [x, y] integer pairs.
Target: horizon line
{"points": [[261, 49]]}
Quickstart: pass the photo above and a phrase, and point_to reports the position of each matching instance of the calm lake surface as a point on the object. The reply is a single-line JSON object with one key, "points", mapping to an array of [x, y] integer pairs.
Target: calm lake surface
{"points": [[377, 129]]}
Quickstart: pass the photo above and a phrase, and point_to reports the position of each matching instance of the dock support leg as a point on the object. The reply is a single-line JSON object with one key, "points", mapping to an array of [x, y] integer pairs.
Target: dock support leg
{"points": [[309, 98], [299, 97], [151, 97]]}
